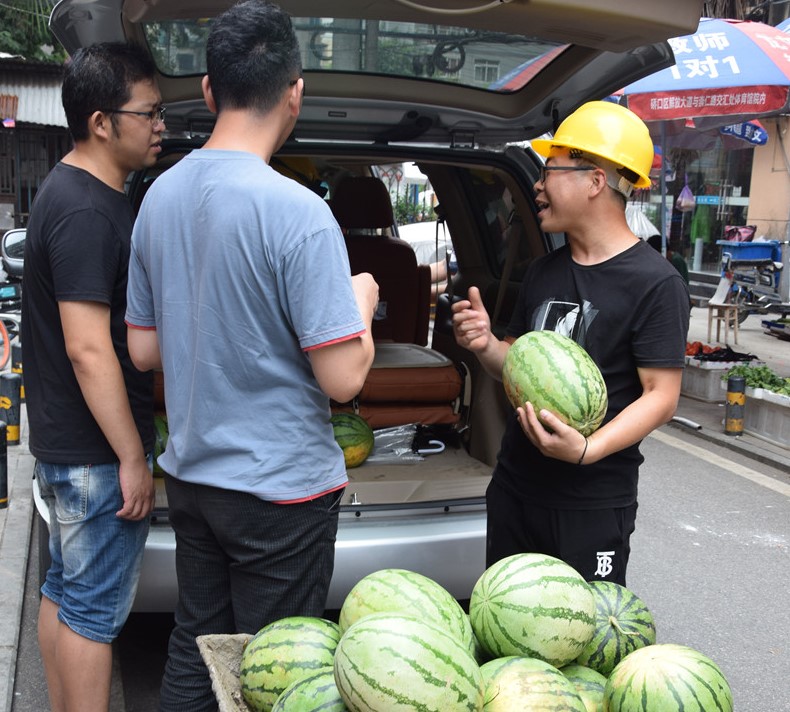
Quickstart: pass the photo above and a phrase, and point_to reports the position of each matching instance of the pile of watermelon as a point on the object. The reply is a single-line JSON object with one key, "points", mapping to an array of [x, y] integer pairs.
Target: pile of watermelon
{"points": [[537, 637]]}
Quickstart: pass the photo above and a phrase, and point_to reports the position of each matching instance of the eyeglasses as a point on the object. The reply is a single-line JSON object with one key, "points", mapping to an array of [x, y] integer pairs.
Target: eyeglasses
{"points": [[155, 116], [545, 169]]}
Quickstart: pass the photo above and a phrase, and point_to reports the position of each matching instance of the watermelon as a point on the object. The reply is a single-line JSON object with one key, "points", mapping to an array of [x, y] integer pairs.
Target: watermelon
{"points": [[491, 667], [160, 439], [401, 591], [535, 606], [553, 372], [667, 678], [520, 683], [315, 691], [589, 685], [396, 661], [354, 436], [282, 653], [623, 623]]}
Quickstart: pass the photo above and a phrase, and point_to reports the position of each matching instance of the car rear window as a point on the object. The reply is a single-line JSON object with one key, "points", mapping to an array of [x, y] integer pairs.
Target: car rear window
{"points": [[494, 61]]}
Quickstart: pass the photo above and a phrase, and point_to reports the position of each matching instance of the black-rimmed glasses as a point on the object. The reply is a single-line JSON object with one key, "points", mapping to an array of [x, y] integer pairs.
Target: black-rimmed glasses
{"points": [[155, 116], [545, 169]]}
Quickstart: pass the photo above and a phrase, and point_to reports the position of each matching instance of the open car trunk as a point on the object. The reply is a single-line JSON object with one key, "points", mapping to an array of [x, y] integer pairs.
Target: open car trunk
{"points": [[474, 201]]}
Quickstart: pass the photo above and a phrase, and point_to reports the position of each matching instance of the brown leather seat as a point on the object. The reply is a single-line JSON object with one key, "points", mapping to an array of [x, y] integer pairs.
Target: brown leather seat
{"points": [[363, 210]]}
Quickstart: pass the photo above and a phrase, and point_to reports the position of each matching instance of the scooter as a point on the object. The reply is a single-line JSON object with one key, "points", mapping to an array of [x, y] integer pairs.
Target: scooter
{"points": [[755, 285], [12, 248]]}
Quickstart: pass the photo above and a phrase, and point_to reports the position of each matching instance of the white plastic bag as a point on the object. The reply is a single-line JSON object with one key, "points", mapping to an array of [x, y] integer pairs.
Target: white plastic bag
{"points": [[394, 445], [686, 201]]}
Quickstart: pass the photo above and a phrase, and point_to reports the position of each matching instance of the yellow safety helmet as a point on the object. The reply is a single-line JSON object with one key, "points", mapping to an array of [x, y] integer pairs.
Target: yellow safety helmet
{"points": [[607, 130]]}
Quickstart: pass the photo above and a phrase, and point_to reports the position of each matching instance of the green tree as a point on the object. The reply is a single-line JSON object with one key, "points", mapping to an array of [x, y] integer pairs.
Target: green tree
{"points": [[24, 30]]}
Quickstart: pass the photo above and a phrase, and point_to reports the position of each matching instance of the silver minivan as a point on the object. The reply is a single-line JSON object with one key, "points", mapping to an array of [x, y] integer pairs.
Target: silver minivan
{"points": [[454, 89]]}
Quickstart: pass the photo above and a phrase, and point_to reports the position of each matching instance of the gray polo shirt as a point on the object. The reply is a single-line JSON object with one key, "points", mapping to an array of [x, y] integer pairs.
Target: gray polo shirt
{"points": [[242, 271]]}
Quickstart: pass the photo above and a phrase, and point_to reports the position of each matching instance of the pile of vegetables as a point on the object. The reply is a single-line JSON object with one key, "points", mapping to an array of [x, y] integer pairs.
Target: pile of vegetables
{"points": [[760, 377]]}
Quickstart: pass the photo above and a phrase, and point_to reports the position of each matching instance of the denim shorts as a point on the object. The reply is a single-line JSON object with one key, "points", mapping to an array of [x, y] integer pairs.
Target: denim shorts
{"points": [[96, 556]]}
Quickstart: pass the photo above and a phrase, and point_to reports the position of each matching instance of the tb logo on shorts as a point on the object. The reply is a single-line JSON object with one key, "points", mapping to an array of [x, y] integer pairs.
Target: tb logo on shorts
{"points": [[604, 563]]}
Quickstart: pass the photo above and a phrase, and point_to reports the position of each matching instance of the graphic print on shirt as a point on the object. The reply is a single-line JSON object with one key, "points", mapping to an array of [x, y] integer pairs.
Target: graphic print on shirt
{"points": [[567, 318]]}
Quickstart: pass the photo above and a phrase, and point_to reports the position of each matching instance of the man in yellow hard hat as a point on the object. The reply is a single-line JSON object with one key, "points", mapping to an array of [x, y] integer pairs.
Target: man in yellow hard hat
{"points": [[553, 490]]}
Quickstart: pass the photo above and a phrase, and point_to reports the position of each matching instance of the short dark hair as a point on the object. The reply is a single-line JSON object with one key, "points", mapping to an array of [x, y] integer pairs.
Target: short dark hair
{"points": [[100, 77], [252, 55]]}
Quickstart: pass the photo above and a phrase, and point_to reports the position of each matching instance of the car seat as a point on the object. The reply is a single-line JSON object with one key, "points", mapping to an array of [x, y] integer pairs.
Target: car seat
{"points": [[408, 382], [363, 209]]}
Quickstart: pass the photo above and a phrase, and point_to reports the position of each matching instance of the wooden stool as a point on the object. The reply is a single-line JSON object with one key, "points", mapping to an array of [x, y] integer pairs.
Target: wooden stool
{"points": [[726, 313]]}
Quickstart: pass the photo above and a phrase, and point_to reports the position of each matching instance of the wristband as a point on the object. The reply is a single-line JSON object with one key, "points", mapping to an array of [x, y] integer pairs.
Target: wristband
{"points": [[584, 452]]}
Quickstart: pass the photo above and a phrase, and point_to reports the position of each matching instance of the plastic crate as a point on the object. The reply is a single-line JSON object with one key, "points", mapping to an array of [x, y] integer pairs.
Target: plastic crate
{"points": [[762, 250]]}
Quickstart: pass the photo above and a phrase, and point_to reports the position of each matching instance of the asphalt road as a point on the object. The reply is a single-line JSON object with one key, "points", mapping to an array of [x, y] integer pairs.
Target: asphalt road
{"points": [[710, 558]]}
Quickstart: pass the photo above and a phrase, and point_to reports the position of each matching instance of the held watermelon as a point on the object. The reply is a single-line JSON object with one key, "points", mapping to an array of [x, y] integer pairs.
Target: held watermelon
{"points": [[669, 678], [623, 623], [282, 653], [553, 372], [402, 591], [395, 661], [534, 606], [354, 436]]}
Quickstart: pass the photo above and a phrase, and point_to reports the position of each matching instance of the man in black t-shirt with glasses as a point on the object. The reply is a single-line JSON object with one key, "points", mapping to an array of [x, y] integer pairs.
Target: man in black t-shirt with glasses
{"points": [[554, 491], [90, 411]]}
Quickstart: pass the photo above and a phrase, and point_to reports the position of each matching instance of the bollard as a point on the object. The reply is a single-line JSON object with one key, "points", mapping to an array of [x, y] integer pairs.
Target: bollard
{"points": [[736, 402], [3, 467], [16, 367], [9, 401]]}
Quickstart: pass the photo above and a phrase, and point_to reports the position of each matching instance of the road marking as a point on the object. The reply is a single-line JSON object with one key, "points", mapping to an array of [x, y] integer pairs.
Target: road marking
{"points": [[724, 463]]}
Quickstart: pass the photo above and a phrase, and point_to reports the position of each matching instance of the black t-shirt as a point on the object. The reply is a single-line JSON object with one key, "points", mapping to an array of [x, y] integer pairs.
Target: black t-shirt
{"points": [[629, 311], [77, 249]]}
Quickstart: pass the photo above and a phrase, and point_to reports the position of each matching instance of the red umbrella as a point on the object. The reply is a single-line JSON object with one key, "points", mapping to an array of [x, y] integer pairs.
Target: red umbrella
{"points": [[726, 71]]}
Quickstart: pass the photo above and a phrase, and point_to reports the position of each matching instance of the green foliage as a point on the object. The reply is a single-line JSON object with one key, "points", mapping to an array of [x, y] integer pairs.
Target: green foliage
{"points": [[24, 31], [760, 377], [407, 211]]}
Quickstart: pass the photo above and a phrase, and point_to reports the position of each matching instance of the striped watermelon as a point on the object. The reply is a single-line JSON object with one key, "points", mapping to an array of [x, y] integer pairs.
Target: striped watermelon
{"points": [[401, 591], [589, 685], [354, 436], [389, 662], [316, 691], [623, 623], [553, 372], [520, 683], [667, 678], [535, 606], [283, 652], [160, 439]]}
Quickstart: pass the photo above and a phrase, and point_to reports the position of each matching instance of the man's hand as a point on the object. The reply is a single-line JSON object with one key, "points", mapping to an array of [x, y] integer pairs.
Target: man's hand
{"points": [[562, 442], [471, 323], [366, 292], [137, 488]]}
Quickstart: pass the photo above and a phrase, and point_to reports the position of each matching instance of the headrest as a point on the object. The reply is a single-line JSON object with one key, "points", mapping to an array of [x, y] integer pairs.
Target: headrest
{"points": [[362, 202]]}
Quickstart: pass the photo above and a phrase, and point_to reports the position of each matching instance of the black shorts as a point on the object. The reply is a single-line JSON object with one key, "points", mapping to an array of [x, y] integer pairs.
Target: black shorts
{"points": [[596, 542]]}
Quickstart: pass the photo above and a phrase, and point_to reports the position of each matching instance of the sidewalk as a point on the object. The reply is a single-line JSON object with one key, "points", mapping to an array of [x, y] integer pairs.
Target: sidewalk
{"points": [[772, 351], [16, 519]]}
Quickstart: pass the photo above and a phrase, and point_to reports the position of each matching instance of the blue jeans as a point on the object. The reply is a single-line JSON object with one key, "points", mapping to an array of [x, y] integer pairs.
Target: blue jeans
{"points": [[96, 557], [241, 563]]}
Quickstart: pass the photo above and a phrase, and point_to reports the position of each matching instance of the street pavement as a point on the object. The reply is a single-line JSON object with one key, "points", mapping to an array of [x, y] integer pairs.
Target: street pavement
{"points": [[703, 419]]}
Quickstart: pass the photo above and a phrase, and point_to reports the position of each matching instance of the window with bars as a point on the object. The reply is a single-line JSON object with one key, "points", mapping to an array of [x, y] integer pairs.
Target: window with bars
{"points": [[486, 71]]}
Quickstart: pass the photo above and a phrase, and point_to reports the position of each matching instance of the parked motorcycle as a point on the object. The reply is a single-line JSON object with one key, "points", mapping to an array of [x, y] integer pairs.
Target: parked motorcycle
{"points": [[12, 248], [756, 275]]}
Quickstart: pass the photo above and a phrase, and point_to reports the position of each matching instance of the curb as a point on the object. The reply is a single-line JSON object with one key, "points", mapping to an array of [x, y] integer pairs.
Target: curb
{"points": [[15, 526], [738, 444]]}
